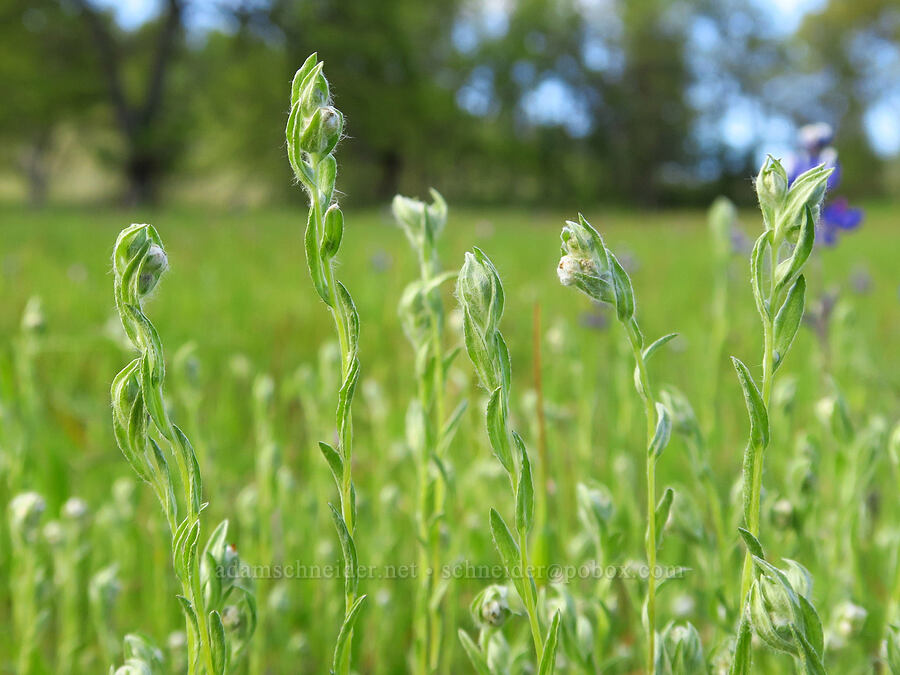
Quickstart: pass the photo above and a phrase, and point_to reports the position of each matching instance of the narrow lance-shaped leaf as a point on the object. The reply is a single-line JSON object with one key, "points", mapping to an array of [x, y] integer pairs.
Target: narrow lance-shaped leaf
{"points": [[787, 321], [661, 515], [757, 273], [548, 659], [525, 494], [343, 641], [348, 549], [789, 269], [663, 432], [752, 543], [475, 657], [497, 431], [622, 289], [756, 408], [656, 344]]}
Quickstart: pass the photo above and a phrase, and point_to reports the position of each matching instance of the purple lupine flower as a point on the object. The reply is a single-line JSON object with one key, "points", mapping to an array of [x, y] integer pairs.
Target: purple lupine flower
{"points": [[837, 215]]}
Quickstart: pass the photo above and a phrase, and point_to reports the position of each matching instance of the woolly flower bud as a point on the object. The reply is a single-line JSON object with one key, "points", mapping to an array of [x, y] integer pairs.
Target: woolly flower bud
{"points": [[584, 262], [491, 606], [155, 263], [322, 132], [54, 534], [104, 587], [418, 219], [33, 319], [480, 292], [684, 651], [75, 509], [849, 619], [771, 184], [25, 511]]}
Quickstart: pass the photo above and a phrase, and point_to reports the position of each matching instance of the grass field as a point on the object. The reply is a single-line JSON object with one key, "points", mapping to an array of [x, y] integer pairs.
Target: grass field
{"points": [[238, 289]]}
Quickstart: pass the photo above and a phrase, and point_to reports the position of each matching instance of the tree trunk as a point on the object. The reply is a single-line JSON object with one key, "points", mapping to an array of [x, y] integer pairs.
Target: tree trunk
{"points": [[35, 162], [142, 173]]}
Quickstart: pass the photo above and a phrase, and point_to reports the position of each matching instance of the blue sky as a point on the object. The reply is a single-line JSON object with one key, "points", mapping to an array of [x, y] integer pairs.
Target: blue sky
{"points": [[739, 124]]}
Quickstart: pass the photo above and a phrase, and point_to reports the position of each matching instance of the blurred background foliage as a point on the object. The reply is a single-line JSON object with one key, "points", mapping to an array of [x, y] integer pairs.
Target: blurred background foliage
{"points": [[644, 102]]}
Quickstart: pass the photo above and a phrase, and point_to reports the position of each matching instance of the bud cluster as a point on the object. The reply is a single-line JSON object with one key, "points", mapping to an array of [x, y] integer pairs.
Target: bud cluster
{"points": [[490, 608], [481, 298], [785, 206], [781, 614], [422, 223], [314, 126], [680, 651]]}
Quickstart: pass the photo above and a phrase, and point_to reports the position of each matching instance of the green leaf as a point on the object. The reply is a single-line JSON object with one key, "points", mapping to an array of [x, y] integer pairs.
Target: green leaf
{"points": [[217, 638], [335, 463], [661, 515], [350, 318], [813, 625], [622, 288], [742, 649], [189, 612], [301, 75], [334, 231], [497, 432], [525, 494], [508, 550], [893, 649], [810, 661], [787, 321], [348, 550], [475, 656], [448, 431], [757, 273], [477, 351], [342, 646], [752, 543], [789, 269], [649, 351], [313, 261], [759, 416], [663, 432], [548, 660]]}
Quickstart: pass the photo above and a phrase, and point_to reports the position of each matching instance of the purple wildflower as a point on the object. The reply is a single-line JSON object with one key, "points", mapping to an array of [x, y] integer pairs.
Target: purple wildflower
{"points": [[815, 140], [836, 216]]}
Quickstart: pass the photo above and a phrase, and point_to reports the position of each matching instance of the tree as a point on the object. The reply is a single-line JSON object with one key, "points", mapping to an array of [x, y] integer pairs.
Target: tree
{"points": [[47, 80], [150, 131]]}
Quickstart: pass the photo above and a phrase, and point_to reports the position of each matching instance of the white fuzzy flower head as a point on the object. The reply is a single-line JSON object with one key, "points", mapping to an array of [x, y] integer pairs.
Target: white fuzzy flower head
{"points": [[568, 267]]}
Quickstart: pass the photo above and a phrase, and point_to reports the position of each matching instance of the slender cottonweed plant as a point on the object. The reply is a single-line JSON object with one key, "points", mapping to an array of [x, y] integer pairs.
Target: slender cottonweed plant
{"points": [[592, 268], [29, 577], [313, 130], [429, 428], [772, 605], [481, 297], [219, 610]]}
